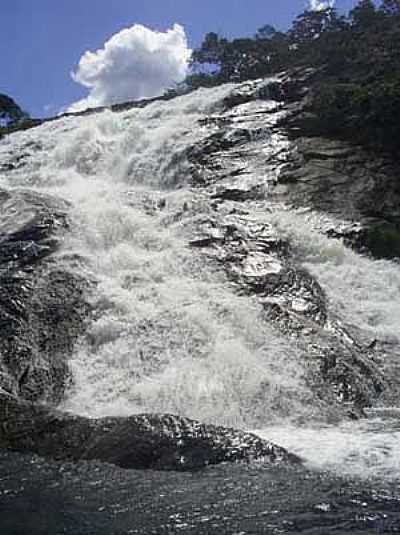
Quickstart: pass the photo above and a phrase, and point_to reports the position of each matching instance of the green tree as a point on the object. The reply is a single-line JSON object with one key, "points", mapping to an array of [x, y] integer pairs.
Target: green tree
{"points": [[211, 50], [265, 32], [364, 15], [241, 59], [10, 112], [391, 7], [310, 25]]}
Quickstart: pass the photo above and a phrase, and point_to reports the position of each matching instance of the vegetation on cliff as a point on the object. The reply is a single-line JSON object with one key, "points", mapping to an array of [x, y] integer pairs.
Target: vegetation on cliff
{"points": [[12, 117], [357, 92]]}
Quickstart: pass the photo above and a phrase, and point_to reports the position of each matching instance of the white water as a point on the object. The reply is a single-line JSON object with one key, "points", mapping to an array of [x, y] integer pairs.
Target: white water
{"points": [[170, 334], [364, 292], [367, 449]]}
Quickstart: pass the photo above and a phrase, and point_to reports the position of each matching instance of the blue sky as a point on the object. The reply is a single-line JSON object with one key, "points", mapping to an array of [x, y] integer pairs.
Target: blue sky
{"points": [[42, 41]]}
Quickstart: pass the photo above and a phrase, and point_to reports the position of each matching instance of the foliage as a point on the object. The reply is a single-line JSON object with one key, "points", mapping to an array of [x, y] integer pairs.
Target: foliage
{"points": [[12, 117], [10, 112], [245, 58], [357, 94], [311, 26], [384, 241], [369, 113], [391, 7]]}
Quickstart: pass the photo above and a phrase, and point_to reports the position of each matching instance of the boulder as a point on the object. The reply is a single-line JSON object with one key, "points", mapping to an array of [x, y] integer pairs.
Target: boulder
{"points": [[156, 441]]}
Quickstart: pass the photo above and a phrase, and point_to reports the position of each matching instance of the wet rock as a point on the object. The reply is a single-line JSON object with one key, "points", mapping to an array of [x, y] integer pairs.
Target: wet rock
{"points": [[240, 194], [346, 181], [205, 241], [28, 227], [42, 306], [157, 441], [255, 174], [355, 184]]}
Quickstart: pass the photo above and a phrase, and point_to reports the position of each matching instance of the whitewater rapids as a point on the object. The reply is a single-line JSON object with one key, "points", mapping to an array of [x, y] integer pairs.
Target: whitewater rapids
{"points": [[169, 333]]}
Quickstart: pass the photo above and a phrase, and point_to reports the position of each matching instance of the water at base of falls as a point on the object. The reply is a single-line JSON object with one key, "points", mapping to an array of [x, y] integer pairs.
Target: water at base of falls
{"points": [[369, 449], [169, 333]]}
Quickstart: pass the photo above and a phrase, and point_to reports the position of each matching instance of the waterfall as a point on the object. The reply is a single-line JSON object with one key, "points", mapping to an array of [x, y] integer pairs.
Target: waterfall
{"points": [[169, 331]]}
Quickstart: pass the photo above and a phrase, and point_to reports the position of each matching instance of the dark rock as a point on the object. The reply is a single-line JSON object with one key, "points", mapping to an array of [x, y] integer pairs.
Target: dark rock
{"points": [[29, 225], [206, 241], [42, 307], [344, 180], [352, 182], [158, 441], [239, 194]]}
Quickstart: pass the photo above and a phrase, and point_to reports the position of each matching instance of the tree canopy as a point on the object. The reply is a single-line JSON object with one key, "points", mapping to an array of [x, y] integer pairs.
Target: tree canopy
{"points": [[358, 93], [10, 112]]}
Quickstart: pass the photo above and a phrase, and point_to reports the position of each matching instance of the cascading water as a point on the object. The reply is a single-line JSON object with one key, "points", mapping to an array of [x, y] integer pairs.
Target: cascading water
{"points": [[169, 332], [363, 291]]}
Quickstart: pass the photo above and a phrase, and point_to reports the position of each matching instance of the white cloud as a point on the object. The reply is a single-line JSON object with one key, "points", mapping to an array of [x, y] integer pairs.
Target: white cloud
{"points": [[318, 5], [135, 63]]}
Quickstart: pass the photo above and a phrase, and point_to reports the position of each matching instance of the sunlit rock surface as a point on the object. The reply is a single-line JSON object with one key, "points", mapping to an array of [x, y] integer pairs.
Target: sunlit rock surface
{"points": [[247, 160]]}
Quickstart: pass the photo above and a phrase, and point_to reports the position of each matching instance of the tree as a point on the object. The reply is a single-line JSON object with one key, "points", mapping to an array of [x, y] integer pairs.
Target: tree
{"points": [[10, 112], [364, 15], [391, 7], [310, 25], [211, 50], [241, 59], [266, 32]]}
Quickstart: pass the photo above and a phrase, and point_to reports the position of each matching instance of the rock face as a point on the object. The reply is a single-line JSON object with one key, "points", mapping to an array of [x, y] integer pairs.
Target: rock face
{"points": [[42, 306], [249, 158], [162, 442], [358, 186]]}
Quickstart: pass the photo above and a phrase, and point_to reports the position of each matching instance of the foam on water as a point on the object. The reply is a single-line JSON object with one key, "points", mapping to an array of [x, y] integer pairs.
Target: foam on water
{"points": [[369, 449], [169, 333], [362, 291], [366, 294]]}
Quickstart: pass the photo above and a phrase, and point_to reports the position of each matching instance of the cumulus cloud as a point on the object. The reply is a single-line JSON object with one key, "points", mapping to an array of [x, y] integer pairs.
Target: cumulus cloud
{"points": [[318, 5], [135, 63]]}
